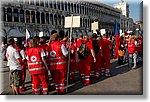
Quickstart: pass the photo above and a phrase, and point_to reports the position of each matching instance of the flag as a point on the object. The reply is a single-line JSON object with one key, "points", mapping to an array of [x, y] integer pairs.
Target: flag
{"points": [[27, 37], [116, 35]]}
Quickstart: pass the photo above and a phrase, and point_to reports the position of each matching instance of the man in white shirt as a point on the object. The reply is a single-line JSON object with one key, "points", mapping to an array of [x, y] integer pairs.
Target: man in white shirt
{"points": [[14, 62]]}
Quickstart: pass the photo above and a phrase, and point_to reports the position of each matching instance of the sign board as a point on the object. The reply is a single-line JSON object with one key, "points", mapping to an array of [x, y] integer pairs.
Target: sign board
{"points": [[75, 23], [103, 31], [41, 34], [94, 26]]}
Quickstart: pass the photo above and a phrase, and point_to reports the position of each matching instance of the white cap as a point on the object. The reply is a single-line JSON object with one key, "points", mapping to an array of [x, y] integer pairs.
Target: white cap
{"points": [[41, 34], [15, 39]]}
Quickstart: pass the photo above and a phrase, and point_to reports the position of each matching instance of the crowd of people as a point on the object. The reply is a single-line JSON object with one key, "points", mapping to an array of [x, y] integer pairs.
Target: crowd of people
{"points": [[65, 59]]}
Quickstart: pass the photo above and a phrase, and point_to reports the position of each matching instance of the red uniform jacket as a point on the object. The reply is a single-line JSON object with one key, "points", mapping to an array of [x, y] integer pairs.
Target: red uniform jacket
{"points": [[35, 64], [131, 47], [56, 58]]}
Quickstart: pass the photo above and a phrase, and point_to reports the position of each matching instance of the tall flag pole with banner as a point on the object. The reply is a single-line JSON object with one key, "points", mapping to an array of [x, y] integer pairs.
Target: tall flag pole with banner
{"points": [[27, 37], [116, 35]]}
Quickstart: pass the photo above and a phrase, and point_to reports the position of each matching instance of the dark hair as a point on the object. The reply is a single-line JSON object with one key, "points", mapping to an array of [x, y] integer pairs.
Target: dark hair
{"points": [[53, 31], [94, 35], [11, 41], [42, 40]]}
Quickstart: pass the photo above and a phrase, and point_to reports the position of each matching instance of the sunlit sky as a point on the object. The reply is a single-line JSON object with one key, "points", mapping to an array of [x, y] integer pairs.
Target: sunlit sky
{"points": [[134, 6]]}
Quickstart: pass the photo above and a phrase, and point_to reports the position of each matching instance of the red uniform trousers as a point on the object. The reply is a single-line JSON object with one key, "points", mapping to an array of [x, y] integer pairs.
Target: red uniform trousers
{"points": [[36, 80], [81, 66], [106, 61], [73, 69], [85, 68], [59, 77], [23, 76], [95, 70]]}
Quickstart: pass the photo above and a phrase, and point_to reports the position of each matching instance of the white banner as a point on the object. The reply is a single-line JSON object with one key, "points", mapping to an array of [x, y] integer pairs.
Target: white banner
{"points": [[103, 31], [94, 26], [75, 23]]}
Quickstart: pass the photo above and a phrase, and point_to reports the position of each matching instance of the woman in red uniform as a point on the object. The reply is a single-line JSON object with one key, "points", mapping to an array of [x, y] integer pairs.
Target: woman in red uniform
{"points": [[58, 63], [106, 46], [86, 69], [37, 66], [98, 54]]}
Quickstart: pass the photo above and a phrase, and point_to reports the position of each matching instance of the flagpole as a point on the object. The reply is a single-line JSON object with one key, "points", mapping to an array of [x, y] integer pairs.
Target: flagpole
{"points": [[69, 52]]}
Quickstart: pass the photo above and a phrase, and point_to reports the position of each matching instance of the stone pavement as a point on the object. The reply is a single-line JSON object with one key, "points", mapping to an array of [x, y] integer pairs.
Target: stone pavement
{"points": [[123, 81]]}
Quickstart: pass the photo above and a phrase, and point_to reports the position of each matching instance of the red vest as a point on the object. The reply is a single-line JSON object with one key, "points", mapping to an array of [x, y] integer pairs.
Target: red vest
{"points": [[35, 64], [56, 58], [131, 47]]}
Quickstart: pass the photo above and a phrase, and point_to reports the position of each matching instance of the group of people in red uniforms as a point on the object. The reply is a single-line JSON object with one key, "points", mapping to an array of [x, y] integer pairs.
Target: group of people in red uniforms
{"points": [[83, 58]]}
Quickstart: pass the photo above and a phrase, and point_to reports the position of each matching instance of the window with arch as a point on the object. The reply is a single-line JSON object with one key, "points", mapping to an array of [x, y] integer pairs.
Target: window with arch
{"points": [[82, 11], [37, 3], [4, 15], [80, 22], [33, 16], [78, 8], [72, 7], [75, 8], [62, 6], [43, 18], [59, 20], [47, 18], [46, 3], [55, 19], [21, 15], [38, 17], [68, 7], [9, 14], [63, 21], [15, 13], [51, 19], [58, 4], [27, 16], [55, 5], [50, 4], [65, 6], [32, 2], [42, 3]]}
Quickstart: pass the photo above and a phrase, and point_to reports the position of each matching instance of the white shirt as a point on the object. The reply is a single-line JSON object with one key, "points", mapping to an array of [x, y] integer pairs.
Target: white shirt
{"points": [[64, 50], [23, 55], [12, 56]]}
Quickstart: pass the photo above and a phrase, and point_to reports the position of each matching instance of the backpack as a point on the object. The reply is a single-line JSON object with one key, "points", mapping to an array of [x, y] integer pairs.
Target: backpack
{"points": [[83, 51], [95, 46]]}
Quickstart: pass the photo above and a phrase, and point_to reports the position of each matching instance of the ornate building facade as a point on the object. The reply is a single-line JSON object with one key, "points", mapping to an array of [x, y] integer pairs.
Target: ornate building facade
{"points": [[48, 15]]}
